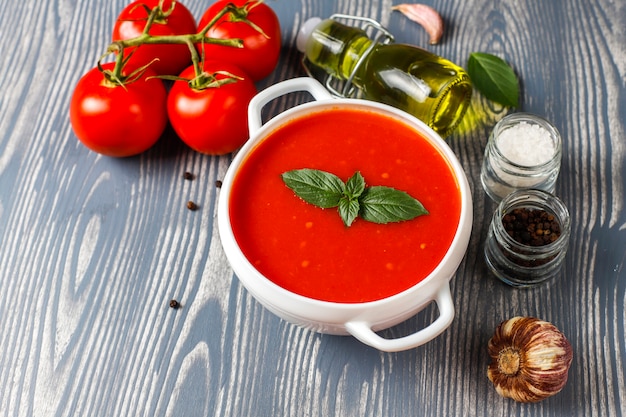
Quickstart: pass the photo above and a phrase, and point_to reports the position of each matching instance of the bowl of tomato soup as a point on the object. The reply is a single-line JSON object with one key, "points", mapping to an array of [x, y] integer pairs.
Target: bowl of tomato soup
{"points": [[303, 262]]}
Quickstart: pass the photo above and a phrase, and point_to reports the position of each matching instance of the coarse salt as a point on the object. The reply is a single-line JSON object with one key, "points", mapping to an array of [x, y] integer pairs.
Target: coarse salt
{"points": [[526, 144]]}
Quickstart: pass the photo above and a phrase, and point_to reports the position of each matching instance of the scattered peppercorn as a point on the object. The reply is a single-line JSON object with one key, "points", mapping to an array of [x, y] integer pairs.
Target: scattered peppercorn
{"points": [[531, 227], [218, 184], [192, 206], [174, 304], [188, 176]]}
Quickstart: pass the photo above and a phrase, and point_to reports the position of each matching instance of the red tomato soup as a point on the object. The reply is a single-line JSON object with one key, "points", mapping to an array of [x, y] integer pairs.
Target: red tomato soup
{"points": [[308, 250]]}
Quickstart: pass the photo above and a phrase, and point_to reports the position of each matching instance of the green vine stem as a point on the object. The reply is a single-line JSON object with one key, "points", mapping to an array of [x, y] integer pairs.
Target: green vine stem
{"points": [[116, 77]]}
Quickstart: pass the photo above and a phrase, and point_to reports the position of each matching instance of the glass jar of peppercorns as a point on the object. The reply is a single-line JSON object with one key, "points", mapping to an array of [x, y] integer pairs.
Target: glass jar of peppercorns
{"points": [[528, 238]]}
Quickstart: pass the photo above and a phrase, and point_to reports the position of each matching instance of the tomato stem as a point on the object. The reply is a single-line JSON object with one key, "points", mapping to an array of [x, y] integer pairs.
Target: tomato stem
{"points": [[121, 46], [152, 16], [195, 58]]}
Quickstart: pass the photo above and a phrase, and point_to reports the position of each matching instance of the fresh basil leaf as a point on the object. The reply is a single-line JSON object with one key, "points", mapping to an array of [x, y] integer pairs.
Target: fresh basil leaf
{"points": [[384, 205], [355, 185], [348, 210], [494, 78], [316, 187]]}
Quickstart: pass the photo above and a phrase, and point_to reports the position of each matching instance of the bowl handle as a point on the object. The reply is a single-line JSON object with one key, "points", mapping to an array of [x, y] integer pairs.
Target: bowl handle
{"points": [[317, 90], [363, 331]]}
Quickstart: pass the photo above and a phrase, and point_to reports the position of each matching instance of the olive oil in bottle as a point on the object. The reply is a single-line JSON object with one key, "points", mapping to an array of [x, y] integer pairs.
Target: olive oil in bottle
{"points": [[417, 81]]}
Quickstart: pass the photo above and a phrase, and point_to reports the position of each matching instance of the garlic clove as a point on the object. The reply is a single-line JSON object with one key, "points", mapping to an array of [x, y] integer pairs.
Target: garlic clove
{"points": [[530, 359], [426, 16]]}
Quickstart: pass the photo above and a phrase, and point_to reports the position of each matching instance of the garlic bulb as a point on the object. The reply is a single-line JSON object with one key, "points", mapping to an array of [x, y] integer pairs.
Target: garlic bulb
{"points": [[530, 359]]}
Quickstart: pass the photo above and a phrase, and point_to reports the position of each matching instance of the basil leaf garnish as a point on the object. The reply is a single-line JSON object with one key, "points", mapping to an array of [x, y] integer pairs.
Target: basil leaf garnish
{"points": [[376, 204], [349, 210], [316, 187], [494, 78], [355, 185], [386, 204]]}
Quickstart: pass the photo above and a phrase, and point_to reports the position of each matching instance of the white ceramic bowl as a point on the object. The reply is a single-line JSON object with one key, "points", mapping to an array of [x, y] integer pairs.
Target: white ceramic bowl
{"points": [[361, 320]]}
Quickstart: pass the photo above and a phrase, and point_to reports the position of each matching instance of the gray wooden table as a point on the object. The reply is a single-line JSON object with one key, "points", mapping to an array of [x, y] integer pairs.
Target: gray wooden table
{"points": [[92, 249]]}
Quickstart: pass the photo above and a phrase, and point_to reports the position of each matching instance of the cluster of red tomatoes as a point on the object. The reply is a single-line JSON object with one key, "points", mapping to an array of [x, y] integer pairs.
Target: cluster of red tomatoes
{"points": [[126, 118]]}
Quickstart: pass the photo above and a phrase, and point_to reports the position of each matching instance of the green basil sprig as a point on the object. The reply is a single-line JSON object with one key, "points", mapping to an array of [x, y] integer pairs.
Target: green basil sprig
{"points": [[376, 204], [494, 78]]}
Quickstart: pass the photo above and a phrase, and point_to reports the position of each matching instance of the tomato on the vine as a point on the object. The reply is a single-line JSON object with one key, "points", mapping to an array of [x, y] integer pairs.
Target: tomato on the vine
{"points": [[117, 120], [172, 58], [212, 120], [260, 51]]}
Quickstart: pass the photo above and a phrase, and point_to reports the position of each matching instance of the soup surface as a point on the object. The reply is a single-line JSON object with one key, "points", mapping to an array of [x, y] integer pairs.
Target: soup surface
{"points": [[308, 250]]}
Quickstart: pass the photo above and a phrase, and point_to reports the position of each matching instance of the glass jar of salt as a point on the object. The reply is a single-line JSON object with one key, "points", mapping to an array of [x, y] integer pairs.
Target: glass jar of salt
{"points": [[523, 151]]}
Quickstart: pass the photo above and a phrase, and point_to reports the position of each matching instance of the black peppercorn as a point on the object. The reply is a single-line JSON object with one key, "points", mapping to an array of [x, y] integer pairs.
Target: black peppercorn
{"points": [[188, 176], [174, 304], [532, 227]]}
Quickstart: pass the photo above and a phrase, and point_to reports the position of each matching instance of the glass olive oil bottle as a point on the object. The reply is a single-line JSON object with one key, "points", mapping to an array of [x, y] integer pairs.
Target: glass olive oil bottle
{"points": [[419, 82]]}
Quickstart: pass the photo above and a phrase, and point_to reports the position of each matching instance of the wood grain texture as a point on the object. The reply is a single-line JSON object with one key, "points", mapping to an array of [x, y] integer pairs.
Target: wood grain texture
{"points": [[92, 249]]}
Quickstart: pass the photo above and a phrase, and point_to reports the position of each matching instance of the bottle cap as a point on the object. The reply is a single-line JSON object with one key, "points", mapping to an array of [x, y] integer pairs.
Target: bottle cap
{"points": [[305, 32]]}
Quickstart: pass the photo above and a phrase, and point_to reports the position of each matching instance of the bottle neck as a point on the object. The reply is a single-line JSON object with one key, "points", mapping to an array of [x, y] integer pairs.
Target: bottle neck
{"points": [[337, 48], [355, 55]]}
